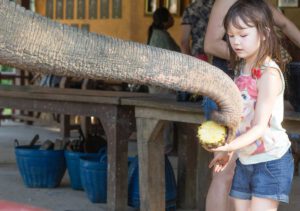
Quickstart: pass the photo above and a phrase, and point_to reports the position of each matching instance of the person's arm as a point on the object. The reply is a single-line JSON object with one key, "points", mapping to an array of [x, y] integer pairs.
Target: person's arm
{"points": [[185, 39], [286, 26], [213, 42]]}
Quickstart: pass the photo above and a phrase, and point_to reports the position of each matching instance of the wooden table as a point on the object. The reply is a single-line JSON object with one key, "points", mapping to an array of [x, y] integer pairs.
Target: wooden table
{"points": [[193, 177], [193, 173], [117, 110], [292, 121], [118, 122]]}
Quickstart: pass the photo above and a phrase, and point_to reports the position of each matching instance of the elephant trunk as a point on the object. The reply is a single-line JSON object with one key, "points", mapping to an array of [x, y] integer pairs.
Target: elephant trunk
{"points": [[34, 43]]}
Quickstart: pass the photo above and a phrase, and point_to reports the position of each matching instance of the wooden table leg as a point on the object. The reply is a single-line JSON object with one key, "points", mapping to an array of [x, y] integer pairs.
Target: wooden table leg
{"points": [[187, 165], [203, 176], [85, 124], [151, 164], [65, 125], [118, 123], [194, 176]]}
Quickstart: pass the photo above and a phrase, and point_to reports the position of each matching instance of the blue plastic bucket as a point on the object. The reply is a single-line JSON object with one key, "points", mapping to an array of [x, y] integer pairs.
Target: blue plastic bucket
{"points": [[133, 185], [93, 174], [40, 168], [73, 165]]}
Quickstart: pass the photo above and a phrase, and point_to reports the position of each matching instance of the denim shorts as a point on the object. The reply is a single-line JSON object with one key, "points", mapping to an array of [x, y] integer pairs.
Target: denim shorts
{"points": [[272, 179]]}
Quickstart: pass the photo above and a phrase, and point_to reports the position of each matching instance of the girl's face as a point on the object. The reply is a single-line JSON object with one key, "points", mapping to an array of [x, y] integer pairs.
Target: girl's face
{"points": [[245, 41]]}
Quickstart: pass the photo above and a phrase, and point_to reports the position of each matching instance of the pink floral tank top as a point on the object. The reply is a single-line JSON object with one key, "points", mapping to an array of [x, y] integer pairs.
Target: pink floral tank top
{"points": [[274, 142]]}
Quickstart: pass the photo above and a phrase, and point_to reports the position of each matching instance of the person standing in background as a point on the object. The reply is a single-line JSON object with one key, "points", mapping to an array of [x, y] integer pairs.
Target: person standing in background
{"points": [[193, 26], [158, 36]]}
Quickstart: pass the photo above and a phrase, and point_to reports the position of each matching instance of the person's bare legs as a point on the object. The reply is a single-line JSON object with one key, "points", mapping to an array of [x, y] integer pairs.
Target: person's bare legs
{"points": [[218, 193]]}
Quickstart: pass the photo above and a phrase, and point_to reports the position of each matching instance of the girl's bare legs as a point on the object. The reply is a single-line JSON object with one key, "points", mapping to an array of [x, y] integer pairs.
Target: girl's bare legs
{"points": [[241, 205], [218, 194], [263, 204], [255, 204]]}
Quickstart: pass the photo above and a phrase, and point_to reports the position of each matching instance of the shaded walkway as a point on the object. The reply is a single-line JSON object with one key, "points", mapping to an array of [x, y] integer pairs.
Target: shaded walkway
{"points": [[62, 198]]}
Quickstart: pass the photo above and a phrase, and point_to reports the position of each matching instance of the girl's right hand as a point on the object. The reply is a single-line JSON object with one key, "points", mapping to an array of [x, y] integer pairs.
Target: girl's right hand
{"points": [[220, 161]]}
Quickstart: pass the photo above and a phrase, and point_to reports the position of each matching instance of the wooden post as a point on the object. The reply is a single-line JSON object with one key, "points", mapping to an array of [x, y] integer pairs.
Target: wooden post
{"points": [[187, 166], [118, 125], [65, 126], [204, 176], [151, 164]]}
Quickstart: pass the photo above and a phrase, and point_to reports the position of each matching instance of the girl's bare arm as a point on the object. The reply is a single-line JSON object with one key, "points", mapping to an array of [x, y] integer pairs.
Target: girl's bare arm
{"points": [[269, 86]]}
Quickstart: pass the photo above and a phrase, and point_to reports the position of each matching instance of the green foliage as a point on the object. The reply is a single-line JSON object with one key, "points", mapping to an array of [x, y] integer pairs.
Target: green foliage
{"points": [[4, 68], [7, 111], [6, 82]]}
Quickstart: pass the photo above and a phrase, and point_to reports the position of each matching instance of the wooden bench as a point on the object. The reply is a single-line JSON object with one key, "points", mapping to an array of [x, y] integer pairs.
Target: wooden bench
{"points": [[291, 123], [117, 111], [193, 173], [151, 115], [118, 122]]}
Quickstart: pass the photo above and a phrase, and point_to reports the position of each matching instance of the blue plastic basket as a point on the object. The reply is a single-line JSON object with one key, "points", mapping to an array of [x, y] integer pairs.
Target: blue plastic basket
{"points": [[40, 168], [133, 185], [73, 165], [93, 174]]}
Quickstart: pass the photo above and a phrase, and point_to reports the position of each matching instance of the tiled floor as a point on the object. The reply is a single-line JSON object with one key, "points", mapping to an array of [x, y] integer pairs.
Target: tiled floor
{"points": [[62, 198]]}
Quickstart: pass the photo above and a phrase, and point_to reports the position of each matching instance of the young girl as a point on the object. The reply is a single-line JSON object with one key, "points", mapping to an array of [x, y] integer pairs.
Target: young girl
{"points": [[264, 169]]}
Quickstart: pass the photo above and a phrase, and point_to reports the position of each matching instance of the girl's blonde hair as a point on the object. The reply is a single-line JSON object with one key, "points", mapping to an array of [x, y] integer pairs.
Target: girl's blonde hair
{"points": [[254, 13]]}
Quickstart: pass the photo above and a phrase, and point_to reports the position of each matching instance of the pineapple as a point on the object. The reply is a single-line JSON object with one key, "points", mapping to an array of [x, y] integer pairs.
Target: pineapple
{"points": [[211, 134]]}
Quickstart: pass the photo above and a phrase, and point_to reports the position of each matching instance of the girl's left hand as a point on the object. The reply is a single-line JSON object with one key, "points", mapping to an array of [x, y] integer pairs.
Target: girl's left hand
{"points": [[220, 161]]}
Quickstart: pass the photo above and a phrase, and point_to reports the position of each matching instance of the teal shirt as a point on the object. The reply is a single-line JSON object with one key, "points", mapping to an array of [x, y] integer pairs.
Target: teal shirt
{"points": [[162, 39]]}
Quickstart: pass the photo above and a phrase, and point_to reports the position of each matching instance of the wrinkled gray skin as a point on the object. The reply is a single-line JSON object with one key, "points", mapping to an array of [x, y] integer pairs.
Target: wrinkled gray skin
{"points": [[34, 43]]}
